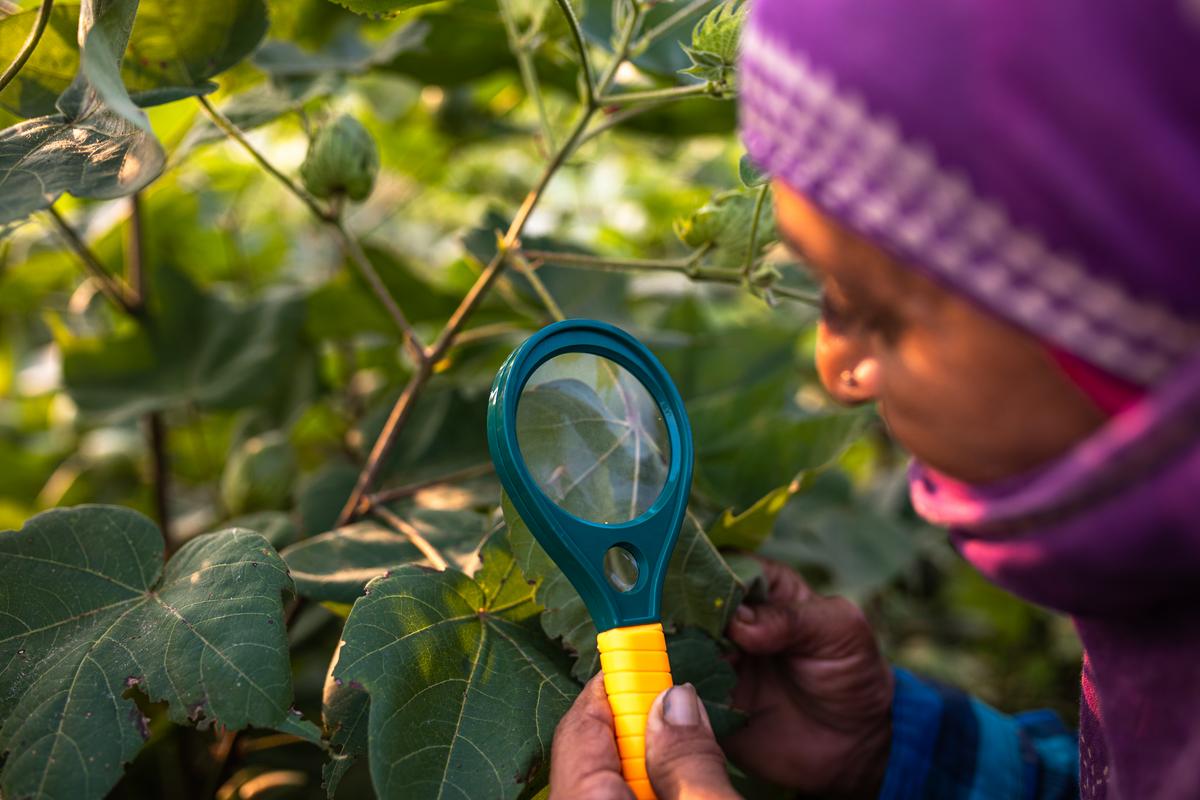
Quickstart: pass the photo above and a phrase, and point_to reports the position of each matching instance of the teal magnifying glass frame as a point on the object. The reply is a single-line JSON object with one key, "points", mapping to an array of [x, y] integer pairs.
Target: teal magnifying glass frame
{"points": [[578, 546]]}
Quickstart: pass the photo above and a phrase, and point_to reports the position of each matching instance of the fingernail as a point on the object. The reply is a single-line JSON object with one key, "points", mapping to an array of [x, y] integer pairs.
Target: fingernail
{"points": [[681, 706], [745, 614]]}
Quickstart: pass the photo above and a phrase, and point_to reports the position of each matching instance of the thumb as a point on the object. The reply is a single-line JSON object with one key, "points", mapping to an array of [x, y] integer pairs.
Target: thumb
{"points": [[682, 755]]}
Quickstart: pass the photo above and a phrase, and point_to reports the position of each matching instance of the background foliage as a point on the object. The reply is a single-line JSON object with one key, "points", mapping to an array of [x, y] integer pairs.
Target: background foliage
{"points": [[189, 335]]}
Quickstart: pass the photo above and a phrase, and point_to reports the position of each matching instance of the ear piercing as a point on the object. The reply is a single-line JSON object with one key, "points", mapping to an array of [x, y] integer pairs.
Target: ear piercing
{"points": [[848, 380]]}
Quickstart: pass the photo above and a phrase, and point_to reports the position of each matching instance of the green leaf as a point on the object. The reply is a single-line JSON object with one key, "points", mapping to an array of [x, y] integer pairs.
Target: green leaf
{"points": [[173, 52], [714, 46], [198, 349], [860, 549], [99, 156], [381, 9], [259, 474], [345, 716], [89, 612], [89, 149], [723, 225], [700, 591], [275, 526], [465, 688], [748, 530], [345, 54], [696, 659]]}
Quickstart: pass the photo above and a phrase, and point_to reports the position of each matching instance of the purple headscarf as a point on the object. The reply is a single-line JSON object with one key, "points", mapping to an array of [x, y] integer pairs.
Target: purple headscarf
{"points": [[1043, 159], [1040, 157]]}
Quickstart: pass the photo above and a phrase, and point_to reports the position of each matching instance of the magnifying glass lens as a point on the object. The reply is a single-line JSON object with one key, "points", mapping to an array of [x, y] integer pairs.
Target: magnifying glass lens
{"points": [[593, 438]]}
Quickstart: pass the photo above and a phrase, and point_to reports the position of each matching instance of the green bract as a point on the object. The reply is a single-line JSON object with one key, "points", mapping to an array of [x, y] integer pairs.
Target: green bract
{"points": [[342, 160]]}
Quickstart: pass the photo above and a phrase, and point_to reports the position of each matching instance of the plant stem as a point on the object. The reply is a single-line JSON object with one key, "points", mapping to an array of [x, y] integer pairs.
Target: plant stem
{"points": [[404, 404], [581, 47], [621, 51], [233, 132], [408, 490], [649, 36], [110, 287], [156, 428], [528, 70], [539, 288], [683, 266], [31, 43], [752, 248], [414, 536], [329, 216], [657, 95], [357, 255], [613, 120]]}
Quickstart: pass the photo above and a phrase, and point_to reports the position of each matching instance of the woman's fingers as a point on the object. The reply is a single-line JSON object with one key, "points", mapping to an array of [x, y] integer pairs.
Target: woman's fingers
{"points": [[682, 755], [584, 764]]}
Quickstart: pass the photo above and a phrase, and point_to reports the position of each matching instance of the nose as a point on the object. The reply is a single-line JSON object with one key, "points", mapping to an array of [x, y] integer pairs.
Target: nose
{"points": [[847, 368]]}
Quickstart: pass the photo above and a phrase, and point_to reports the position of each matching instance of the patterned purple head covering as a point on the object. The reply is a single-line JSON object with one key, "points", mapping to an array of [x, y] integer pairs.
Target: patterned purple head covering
{"points": [[1042, 158]]}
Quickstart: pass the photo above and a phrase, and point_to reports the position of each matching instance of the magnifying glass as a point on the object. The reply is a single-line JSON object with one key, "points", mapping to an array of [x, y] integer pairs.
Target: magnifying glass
{"points": [[592, 444]]}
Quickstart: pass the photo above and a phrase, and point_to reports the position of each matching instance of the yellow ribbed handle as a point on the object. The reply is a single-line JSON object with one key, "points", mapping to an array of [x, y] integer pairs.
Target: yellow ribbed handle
{"points": [[636, 671]]}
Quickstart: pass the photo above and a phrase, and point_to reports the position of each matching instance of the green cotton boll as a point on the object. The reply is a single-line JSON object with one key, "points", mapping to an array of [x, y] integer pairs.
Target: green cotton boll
{"points": [[260, 474], [342, 160]]}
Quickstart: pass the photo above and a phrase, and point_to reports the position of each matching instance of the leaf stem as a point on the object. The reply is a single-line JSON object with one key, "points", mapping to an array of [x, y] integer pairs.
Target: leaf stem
{"points": [[331, 217], [620, 52], [539, 288], [752, 247], [683, 266], [708, 89], [110, 287], [580, 47], [31, 43], [408, 490], [414, 536]]}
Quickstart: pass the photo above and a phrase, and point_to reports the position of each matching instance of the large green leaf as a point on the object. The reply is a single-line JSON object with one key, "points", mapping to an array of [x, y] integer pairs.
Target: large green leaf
{"points": [[197, 349], [381, 8], [465, 688], [173, 51], [700, 591], [88, 611]]}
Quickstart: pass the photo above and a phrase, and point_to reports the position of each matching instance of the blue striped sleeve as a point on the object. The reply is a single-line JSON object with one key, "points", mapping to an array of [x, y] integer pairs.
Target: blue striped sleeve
{"points": [[947, 745]]}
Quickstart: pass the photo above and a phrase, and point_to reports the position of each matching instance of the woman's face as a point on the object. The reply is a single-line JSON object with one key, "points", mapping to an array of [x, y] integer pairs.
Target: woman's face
{"points": [[966, 393]]}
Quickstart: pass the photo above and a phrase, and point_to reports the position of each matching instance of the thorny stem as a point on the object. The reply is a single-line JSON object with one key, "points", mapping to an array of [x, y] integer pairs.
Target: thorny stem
{"points": [[110, 287], [31, 43], [330, 217], [414, 536], [683, 266], [752, 247]]}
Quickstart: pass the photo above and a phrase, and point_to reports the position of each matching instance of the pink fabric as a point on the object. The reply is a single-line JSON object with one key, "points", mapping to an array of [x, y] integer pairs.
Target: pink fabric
{"points": [[1111, 394]]}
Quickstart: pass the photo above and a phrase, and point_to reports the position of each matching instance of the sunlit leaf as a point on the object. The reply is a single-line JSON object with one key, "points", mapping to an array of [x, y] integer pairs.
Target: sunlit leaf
{"points": [[465, 688], [89, 612]]}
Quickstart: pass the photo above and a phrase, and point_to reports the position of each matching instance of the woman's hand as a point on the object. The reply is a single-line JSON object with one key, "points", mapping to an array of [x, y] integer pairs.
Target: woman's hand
{"points": [[682, 757], [816, 688]]}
